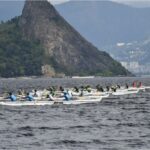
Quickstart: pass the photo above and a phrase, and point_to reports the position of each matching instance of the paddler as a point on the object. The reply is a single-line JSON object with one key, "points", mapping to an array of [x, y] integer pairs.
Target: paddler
{"points": [[52, 91], [107, 88], [35, 93], [12, 97], [140, 84], [81, 91], [61, 89], [76, 89], [88, 88], [118, 86], [99, 88], [134, 84], [29, 97], [127, 86], [67, 95], [20, 92], [50, 97], [113, 88]]}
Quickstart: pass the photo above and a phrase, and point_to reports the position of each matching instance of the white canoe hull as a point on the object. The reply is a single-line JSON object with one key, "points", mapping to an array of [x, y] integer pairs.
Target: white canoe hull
{"points": [[27, 103], [125, 92], [137, 88], [147, 87], [43, 103], [82, 101], [97, 97]]}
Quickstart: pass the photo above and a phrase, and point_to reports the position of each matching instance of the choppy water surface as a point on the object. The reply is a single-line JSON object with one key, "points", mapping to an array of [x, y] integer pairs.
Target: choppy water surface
{"points": [[117, 123]]}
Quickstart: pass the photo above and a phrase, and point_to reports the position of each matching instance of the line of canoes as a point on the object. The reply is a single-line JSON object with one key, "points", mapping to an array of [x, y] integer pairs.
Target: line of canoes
{"points": [[78, 96]]}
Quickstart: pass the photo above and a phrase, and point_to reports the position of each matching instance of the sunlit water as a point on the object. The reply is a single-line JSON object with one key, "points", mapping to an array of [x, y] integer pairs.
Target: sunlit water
{"points": [[116, 123]]}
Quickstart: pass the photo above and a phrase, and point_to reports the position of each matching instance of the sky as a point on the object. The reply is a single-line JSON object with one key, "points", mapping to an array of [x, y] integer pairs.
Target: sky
{"points": [[138, 3]]}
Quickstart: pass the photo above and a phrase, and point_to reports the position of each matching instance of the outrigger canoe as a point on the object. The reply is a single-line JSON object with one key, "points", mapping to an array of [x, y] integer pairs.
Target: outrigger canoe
{"points": [[78, 101], [125, 92]]}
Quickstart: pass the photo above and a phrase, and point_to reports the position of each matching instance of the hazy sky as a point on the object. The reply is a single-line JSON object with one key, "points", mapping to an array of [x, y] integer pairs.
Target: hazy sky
{"points": [[139, 3]]}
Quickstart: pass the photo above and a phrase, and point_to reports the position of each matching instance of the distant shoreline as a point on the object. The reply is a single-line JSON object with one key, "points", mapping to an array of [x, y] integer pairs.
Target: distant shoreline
{"points": [[73, 77]]}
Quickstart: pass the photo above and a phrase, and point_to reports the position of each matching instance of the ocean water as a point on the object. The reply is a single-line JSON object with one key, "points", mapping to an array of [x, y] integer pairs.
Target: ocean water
{"points": [[116, 123]]}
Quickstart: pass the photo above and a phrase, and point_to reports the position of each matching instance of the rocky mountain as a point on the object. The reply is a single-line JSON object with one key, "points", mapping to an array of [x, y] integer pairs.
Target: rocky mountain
{"points": [[66, 49], [107, 23], [60, 48]]}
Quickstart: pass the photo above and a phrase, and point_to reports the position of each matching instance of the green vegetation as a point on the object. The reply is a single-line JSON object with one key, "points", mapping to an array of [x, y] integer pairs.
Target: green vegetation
{"points": [[18, 56]]}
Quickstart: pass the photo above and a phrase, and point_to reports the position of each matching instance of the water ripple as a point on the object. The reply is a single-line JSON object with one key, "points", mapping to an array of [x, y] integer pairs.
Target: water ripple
{"points": [[117, 123]]}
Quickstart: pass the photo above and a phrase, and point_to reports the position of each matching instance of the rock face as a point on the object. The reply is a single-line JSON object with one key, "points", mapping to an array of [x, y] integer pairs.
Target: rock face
{"points": [[66, 51]]}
